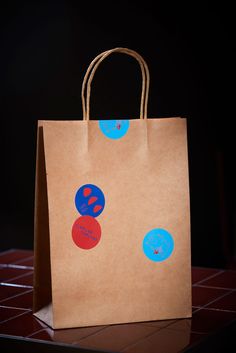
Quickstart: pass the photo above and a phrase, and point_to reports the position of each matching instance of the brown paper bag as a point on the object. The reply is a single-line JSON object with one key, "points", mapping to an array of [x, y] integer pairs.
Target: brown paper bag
{"points": [[112, 218]]}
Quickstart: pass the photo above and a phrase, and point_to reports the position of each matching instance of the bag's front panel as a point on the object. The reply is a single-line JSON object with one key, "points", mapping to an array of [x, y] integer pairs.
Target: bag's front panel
{"points": [[119, 221]]}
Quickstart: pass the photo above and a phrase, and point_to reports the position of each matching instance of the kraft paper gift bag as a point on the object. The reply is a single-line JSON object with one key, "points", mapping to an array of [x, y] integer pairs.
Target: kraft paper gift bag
{"points": [[112, 217]]}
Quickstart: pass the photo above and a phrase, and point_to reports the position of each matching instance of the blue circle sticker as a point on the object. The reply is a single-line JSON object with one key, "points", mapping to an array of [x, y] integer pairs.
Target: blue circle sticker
{"points": [[114, 129], [89, 200], [158, 245]]}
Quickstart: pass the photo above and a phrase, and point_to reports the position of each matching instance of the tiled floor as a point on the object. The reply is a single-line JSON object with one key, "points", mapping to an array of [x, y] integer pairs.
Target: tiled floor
{"points": [[214, 309]]}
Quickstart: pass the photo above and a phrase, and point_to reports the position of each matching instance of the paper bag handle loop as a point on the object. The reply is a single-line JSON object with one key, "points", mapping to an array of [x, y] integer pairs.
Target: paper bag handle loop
{"points": [[92, 69]]}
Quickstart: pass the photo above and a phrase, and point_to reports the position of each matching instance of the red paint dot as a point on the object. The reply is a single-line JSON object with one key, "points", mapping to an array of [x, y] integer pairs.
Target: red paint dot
{"points": [[97, 208], [87, 192], [92, 200], [86, 232]]}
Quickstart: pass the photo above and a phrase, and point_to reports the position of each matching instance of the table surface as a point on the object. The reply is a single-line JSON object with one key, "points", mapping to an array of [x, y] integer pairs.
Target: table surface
{"points": [[212, 324]]}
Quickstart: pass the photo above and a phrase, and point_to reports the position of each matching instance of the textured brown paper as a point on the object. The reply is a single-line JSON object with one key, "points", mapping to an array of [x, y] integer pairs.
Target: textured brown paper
{"points": [[144, 177]]}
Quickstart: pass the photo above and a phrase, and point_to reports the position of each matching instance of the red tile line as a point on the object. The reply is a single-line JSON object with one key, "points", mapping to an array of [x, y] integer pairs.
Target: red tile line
{"points": [[20, 267], [29, 256], [225, 310], [195, 308], [4, 252], [18, 277], [15, 296], [211, 287], [7, 252], [40, 330], [48, 327], [24, 259], [209, 277], [153, 333], [214, 300], [13, 307], [140, 339], [15, 316], [80, 341], [15, 285]]}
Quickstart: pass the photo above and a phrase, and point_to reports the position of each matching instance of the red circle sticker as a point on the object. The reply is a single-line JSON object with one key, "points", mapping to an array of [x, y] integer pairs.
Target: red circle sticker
{"points": [[86, 232]]}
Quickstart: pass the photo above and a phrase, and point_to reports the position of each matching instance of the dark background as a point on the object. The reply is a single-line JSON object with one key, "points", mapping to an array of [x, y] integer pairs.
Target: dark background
{"points": [[45, 50]]}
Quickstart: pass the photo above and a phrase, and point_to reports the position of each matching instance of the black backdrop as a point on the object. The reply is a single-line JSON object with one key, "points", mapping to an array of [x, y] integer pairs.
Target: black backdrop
{"points": [[45, 49]]}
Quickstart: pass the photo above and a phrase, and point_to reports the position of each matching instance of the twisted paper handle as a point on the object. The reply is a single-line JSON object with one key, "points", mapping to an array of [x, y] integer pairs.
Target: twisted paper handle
{"points": [[92, 69]]}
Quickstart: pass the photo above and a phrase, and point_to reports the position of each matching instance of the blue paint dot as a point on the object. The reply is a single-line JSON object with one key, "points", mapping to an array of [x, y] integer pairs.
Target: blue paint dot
{"points": [[89, 200], [114, 129], [158, 245]]}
